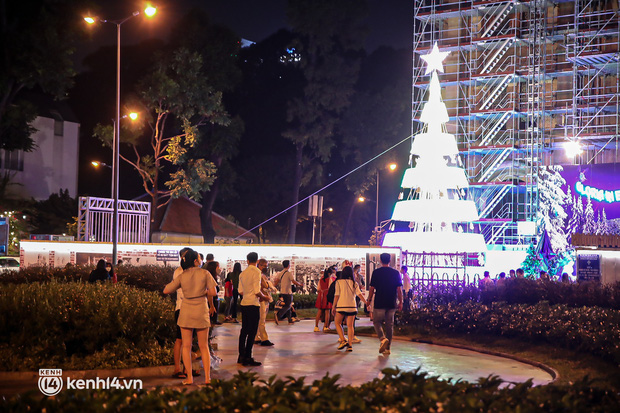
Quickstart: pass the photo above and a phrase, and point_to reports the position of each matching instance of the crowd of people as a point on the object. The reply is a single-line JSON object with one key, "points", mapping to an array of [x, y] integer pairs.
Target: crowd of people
{"points": [[250, 293]]}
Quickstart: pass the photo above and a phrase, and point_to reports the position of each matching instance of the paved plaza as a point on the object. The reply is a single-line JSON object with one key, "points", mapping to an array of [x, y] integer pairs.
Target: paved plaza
{"points": [[299, 351]]}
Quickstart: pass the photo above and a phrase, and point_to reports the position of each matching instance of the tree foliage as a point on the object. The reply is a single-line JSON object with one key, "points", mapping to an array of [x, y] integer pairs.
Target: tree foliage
{"points": [[177, 100], [36, 47], [328, 52]]}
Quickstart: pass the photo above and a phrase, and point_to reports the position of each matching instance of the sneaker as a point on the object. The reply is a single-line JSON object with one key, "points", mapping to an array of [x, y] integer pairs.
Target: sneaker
{"points": [[316, 329], [342, 345], [326, 329], [251, 362], [296, 320], [384, 345], [355, 340], [349, 348], [266, 343]]}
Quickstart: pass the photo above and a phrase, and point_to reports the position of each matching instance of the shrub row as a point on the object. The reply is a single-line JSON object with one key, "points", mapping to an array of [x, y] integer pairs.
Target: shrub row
{"points": [[396, 392], [588, 329], [526, 291], [146, 277], [83, 326]]}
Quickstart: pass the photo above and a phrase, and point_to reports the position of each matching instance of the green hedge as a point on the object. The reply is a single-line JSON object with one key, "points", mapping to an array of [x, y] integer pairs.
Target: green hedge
{"points": [[83, 326], [526, 291], [587, 329], [146, 277], [396, 392]]}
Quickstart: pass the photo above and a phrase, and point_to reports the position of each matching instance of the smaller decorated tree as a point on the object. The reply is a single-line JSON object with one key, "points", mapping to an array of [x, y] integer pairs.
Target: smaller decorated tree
{"points": [[533, 263]]}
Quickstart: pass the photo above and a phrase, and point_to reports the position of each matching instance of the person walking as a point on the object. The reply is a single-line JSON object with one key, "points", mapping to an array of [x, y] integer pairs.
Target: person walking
{"points": [[234, 277], [386, 288], [198, 291], [324, 307], [286, 280], [407, 287], [228, 293], [345, 308], [267, 287], [249, 288], [179, 373]]}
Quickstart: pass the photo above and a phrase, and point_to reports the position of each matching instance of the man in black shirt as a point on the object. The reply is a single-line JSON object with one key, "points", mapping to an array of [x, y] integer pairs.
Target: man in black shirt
{"points": [[386, 287]]}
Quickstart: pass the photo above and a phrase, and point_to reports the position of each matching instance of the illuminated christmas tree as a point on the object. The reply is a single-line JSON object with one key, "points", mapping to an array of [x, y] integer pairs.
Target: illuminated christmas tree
{"points": [[432, 207]]}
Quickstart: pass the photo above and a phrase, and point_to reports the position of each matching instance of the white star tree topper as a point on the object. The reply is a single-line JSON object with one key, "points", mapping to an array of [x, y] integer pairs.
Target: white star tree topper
{"points": [[434, 60]]}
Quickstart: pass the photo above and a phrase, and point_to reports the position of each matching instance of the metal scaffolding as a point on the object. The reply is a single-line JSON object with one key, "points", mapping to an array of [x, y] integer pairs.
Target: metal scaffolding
{"points": [[95, 220], [523, 78]]}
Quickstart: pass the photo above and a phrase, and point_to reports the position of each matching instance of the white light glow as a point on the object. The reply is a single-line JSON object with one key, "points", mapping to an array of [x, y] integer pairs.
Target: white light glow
{"points": [[450, 177], [434, 60], [437, 145], [435, 210], [439, 242], [573, 148]]}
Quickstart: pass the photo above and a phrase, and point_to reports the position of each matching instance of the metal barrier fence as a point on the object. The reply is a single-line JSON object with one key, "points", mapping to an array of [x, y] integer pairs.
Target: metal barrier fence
{"points": [[95, 220], [431, 269]]}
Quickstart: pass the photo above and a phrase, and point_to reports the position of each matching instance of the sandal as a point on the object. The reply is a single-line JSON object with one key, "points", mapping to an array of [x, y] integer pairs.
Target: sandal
{"points": [[187, 383], [179, 375]]}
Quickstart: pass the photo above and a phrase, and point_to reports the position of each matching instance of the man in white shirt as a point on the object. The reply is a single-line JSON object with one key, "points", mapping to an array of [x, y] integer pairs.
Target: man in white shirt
{"points": [[286, 280], [407, 287], [249, 288]]}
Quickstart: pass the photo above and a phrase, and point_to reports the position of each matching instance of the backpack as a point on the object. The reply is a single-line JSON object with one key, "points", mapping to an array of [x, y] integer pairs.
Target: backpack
{"points": [[331, 292]]}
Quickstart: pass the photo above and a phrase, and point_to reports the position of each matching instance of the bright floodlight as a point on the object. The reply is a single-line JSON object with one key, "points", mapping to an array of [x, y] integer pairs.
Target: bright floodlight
{"points": [[361, 199], [133, 116], [392, 166], [572, 149], [330, 209], [95, 163], [150, 10], [89, 20]]}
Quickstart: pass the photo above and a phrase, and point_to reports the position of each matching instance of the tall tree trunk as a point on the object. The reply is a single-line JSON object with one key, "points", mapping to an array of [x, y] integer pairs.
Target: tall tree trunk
{"points": [[292, 221], [206, 211], [154, 204], [345, 232]]}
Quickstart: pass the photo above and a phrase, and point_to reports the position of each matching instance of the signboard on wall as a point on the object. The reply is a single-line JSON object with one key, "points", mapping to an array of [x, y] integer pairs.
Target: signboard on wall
{"points": [[4, 236], [599, 182], [589, 267]]}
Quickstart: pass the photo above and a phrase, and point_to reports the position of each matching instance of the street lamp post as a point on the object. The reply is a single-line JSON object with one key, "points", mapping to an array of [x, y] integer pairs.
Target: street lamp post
{"points": [[97, 164], [391, 167], [149, 11]]}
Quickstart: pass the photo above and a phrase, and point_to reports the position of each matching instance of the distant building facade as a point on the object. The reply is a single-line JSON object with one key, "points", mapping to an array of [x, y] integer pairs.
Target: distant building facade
{"points": [[53, 163]]}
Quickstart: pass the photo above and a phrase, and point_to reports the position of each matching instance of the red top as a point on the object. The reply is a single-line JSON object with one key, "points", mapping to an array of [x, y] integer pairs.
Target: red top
{"points": [[228, 289]]}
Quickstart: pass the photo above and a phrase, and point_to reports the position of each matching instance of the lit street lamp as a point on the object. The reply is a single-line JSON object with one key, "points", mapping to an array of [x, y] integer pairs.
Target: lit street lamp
{"points": [[330, 209], [97, 164], [391, 167], [148, 11]]}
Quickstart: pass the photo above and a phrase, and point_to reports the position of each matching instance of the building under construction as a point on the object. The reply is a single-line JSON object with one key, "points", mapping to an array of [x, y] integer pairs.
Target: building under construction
{"points": [[524, 79]]}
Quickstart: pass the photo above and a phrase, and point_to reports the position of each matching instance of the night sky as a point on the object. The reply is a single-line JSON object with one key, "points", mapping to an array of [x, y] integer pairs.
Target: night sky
{"points": [[389, 24]]}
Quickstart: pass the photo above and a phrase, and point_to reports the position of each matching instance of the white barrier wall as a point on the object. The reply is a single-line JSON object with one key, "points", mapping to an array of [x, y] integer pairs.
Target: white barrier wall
{"points": [[307, 262]]}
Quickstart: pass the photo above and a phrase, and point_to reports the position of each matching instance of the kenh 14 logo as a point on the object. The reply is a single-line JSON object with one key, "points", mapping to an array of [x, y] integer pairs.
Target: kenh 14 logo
{"points": [[50, 381]]}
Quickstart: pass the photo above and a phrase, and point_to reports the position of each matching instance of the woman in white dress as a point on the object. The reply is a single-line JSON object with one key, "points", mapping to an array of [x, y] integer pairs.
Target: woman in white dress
{"points": [[198, 291], [345, 306]]}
